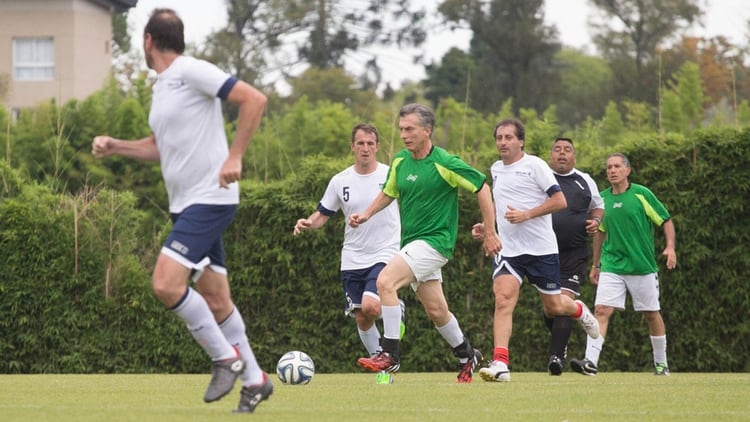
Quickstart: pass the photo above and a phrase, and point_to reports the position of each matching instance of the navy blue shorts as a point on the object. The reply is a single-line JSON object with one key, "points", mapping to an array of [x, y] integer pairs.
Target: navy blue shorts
{"points": [[195, 240], [358, 283], [542, 271]]}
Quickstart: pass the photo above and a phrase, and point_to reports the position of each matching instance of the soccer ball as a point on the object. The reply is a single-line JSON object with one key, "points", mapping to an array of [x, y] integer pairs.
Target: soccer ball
{"points": [[295, 368]]}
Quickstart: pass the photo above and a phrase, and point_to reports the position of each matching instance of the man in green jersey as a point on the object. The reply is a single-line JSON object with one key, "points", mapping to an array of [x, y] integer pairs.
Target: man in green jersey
{"points": [[624, 261], [425, 179]]}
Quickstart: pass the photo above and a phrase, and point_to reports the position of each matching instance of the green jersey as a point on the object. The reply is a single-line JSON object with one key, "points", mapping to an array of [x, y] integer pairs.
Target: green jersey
{"points": [[427, 194], [628, 217]]}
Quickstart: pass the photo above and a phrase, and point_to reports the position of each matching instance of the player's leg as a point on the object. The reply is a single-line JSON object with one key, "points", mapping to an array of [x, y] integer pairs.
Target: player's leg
{"points": [[506, 286], [393, 276], [363, 305], [610, 295], [645, 293]]}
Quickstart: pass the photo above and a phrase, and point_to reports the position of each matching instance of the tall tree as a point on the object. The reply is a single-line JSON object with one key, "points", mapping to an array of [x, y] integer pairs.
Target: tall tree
{"points": [[514, 51], [282, 35], [640, 29]]}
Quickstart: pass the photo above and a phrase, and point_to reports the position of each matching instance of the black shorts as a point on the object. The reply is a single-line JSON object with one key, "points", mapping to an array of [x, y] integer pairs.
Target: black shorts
{"points": [[573, 265]]}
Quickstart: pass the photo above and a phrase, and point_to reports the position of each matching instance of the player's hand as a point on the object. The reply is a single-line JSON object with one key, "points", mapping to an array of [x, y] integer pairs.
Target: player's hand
{"points": [[356, 219], [671, 257], [594, 276], [477, 231], [491, 244], [302, 224], [101, 146], [592, 226], [515, 216], [230, 172]]}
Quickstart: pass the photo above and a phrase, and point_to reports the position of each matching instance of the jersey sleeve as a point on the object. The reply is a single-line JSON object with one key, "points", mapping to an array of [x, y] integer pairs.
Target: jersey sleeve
{"points": [[390, 187], [206, 77], [545, 177], [457, 173], [596, 198], [655, 210], [329, 204]]}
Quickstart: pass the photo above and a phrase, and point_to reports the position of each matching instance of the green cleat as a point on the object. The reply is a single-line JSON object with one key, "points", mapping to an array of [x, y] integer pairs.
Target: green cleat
{"points": [[384, 378]]}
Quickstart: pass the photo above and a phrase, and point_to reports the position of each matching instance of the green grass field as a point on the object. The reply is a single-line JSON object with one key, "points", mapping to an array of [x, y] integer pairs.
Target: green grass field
{"points": [[412, 397]]}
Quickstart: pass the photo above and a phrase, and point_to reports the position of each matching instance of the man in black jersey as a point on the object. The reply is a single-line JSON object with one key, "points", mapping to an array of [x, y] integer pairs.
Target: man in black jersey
{"points": [[571, 225]]}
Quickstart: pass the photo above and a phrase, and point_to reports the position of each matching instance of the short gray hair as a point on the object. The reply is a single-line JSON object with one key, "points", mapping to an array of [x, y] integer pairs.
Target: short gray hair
{"points": [[622, 156], [425, 114]]}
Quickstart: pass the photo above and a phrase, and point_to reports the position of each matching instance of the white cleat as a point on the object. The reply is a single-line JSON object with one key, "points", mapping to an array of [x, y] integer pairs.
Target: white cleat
{"points": [[588, 321], [495, 372]]}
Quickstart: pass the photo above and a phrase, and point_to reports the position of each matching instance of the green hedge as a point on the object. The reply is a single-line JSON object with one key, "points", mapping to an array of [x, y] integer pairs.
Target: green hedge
{"points": [[76, 294]]}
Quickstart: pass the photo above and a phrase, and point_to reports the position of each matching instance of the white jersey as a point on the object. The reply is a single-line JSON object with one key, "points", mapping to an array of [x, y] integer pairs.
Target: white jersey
{"points": [[371, 243], [188, 126], [523, 185]]}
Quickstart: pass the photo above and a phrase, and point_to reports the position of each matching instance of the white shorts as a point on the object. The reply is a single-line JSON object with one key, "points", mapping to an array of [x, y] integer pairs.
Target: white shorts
{"points": [[644, 289], [425, 262]]}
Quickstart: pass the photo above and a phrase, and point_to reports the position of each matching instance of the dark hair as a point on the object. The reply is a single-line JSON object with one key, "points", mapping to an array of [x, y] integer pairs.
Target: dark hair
{"points": [[560, 138], [622, 156], [520, 130], [364, 127], [425, 114], [166, 30]]}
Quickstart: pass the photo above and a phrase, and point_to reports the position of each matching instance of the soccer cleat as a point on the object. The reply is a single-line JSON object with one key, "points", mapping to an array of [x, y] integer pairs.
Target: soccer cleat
{"points": [[466, 369], [496, 371], [588, 321], [383, 361], [384, 378], [252, 395], [223, 375], [403, 319], [555, 365], [584, 366], [661, 369]]}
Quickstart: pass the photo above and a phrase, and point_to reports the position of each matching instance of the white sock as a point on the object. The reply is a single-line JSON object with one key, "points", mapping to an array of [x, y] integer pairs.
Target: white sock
{"points": [[659, 346], [371, 339], [451, 332], [233, 329], [391, 321], [194, 310], [594, 348]]}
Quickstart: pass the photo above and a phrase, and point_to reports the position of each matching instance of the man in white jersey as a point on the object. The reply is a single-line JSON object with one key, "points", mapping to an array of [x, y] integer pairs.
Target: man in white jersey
{"points": [[200, 174], [525, 193], [366, 250]]}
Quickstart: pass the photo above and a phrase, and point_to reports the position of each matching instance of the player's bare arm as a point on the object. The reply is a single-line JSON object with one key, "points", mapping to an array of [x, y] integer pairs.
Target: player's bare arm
{"points": [[141, 149], [381, 201], [314, 221], [251, 104], [669, 251], [554, 203], [490, 238]]}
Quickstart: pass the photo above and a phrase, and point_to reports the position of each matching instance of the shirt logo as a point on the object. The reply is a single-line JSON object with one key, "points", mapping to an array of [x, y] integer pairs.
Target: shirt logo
{"points": [[580, 185], [617, 205], [411, 177], [175, 83]]}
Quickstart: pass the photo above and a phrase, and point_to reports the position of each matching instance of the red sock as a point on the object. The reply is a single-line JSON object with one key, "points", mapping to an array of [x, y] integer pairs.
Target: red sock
{"points": [[578, 312], [501, 354]]}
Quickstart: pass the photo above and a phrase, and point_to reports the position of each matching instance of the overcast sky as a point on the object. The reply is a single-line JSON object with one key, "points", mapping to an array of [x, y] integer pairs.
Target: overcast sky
{"points": [[201, 17]]}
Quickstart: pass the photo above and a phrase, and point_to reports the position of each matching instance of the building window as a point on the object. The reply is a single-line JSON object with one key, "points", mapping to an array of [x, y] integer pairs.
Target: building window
{"points": [[34, 59]]}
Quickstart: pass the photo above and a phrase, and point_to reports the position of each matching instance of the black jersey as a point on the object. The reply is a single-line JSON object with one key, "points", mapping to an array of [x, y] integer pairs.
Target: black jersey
{"points": [[570, 223]]}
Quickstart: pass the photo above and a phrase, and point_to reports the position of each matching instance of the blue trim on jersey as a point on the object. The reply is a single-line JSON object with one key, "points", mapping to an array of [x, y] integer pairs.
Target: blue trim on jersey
{"points": [[325, 211], [228, 85], [553, 189]]}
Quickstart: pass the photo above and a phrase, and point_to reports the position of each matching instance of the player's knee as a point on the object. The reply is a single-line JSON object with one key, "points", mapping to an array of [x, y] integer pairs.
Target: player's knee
{"points": [[371, 311]]}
